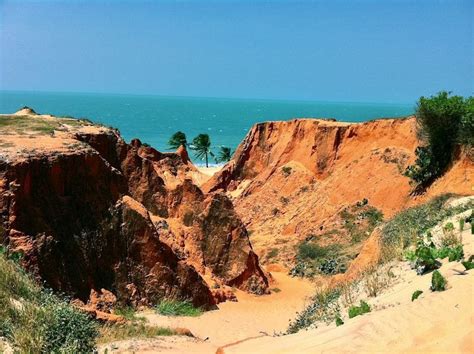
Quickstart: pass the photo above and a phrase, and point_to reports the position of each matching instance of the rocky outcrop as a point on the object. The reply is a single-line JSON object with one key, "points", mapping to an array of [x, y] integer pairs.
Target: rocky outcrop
{"points": [[90, 212], [289, 180]]}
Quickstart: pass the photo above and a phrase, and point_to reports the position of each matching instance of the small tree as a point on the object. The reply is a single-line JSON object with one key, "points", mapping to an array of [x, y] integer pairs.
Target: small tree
{"points": [[176, 140], [225, 154], [202, 146], [439, 119]]}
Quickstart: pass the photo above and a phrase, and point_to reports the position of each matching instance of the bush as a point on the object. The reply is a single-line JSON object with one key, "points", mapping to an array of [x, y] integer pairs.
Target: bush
{"points": [[425, 259], [311, 251], [286, 171], [438, 282], [416, 295], [178, 308], [34, 320], [359, 310], [339, 321], [68, 329], [469, 264], [443, 121]]}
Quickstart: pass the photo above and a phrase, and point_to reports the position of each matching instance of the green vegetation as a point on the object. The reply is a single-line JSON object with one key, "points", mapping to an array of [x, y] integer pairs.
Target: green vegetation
{"points": [[10, 124], [416, 295], [339, 321], [443, 122], [409, 226], [176, 140], [116, 332], [469, 264], [312, 258], [225, 154], [34, 320], [128, 313], [438, 282], [286, 170], [360, 220], [178, 308], [272, 254], [359, 310], [461, 225], [324, 307], [202, 147]]}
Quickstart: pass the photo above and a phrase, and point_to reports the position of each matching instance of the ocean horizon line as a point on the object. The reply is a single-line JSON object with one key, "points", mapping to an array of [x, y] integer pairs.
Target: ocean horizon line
{"points": [[211, 98]]}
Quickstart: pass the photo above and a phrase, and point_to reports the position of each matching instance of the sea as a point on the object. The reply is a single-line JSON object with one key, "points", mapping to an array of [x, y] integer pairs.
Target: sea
{"points": [[153, 119]]}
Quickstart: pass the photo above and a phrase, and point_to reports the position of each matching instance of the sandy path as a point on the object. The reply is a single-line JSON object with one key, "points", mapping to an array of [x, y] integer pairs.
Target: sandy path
{"points": [[441, 322], [251, 316]]}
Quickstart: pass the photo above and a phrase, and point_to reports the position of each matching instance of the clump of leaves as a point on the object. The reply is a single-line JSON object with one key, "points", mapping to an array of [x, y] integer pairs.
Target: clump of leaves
{"points": [[416, 295], [359, 310], [339, 321], [438, 282]]}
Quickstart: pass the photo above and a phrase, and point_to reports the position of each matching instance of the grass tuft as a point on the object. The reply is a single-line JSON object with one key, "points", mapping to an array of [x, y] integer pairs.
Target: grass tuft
{"points": [[178, 308]]}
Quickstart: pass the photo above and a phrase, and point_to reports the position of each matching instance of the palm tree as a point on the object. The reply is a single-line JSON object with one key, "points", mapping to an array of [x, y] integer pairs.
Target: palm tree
{"points": [[202, 145], [176, 140], [225, 154]]}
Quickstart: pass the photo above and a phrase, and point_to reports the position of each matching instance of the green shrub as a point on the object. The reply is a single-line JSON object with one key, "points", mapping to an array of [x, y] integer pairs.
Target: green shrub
{"points": [[449, 227], [440, 120], [177, 308], [438, 282], [34, 320], [359, 310], [68, 329], [425, 259], [455, 253], [339, 321], [469, 264], [286, 171], [273, 253], [416, 294], [312, 251], [472, 228], [312, 258], [466, 132]]}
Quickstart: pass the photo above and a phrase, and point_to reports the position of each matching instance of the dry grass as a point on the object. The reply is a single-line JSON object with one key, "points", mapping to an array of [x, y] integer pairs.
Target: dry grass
{"points": [[116, 332], [376, 279]]}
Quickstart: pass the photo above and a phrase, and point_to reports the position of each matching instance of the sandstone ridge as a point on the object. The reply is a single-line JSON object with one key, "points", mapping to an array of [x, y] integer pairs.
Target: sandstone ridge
{"points": [[90, 212]]}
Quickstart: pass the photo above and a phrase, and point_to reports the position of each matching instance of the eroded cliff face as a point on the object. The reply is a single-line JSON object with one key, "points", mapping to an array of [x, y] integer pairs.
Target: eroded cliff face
{"points": [[291, 180], [90, 212]]}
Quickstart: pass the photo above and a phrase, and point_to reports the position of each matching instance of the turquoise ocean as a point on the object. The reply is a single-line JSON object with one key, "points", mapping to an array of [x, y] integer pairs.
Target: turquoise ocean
{"points": [[153, 119]]}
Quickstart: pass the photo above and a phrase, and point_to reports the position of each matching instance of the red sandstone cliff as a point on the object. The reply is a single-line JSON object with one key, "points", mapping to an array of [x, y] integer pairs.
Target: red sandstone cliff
{"points": [[291, 179], [90, 212]]}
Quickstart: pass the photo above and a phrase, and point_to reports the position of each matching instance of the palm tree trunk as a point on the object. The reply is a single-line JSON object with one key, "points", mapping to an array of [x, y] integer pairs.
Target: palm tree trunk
{"points": [[206, 161]]}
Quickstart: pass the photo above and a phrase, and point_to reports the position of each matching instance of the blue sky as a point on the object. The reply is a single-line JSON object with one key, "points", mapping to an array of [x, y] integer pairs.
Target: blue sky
{"points": [[368, 51]]}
